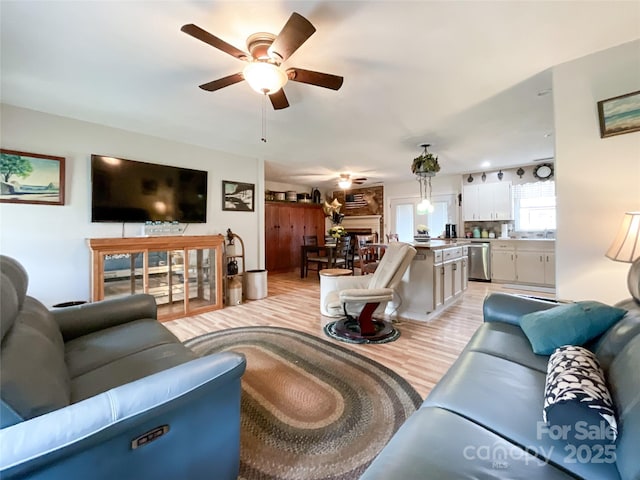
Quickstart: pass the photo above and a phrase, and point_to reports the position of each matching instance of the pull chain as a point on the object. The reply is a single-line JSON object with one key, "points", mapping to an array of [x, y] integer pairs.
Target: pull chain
{"points": [[264, 117]]}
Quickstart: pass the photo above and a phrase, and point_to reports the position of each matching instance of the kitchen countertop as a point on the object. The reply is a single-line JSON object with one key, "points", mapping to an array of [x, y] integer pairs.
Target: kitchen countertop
{"points": [[511, 239], [438, 244]]}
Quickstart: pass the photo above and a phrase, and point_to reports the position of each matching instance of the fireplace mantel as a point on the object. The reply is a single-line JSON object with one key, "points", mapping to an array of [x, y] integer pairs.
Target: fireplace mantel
{"points": [[363, 221]]}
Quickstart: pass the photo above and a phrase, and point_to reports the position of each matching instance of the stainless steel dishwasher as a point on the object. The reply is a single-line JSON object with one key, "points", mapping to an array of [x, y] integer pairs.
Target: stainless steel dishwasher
{"points": [[480, 261]]}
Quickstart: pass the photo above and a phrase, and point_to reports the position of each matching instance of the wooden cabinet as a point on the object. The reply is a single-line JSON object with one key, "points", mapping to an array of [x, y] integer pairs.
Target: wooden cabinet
{"points": [[285, 225], [279, 231], [183, 273], [487, 201], [523, 261]]}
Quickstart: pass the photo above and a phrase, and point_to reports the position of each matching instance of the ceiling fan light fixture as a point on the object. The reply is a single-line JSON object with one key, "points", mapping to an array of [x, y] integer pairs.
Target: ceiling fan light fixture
{"points": [[264, 77], [344, 183]]}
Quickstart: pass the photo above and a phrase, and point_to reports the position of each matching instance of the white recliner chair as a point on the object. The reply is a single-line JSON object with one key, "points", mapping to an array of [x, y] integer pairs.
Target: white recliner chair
{"points": [[358, 298]]}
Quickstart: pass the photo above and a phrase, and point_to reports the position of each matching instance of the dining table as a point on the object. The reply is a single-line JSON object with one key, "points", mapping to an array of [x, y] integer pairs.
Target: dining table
{"points": [[327, 249]]}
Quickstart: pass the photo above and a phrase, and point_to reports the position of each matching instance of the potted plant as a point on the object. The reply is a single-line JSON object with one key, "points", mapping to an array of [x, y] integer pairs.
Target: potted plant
{"points": [[337, 231], [426, 162]]}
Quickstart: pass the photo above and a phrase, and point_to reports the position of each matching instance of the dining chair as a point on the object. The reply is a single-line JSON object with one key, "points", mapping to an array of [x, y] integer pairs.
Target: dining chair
{"points": [[339, 257], [392, 237], [311, 240], [367, 255], [342, 253]]}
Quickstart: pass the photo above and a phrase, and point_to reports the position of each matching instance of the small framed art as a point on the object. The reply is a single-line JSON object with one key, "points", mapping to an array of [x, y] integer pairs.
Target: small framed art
{"points": [[31, 178], [619, 114], [238, 197]]}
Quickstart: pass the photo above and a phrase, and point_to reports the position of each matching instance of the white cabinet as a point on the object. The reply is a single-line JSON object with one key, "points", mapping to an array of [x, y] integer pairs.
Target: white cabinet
{"points": [[530, 267], [523, 261], [503, 265], [470, 202], [458, 276], [502, 205], [487, 201], [550, 268], [447, 282], [438, 277], [465, 271], [435, 279]]}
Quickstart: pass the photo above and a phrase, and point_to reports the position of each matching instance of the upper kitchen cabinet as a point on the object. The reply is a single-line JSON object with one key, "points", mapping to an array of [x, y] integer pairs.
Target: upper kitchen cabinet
{"points": [[487, 201]]}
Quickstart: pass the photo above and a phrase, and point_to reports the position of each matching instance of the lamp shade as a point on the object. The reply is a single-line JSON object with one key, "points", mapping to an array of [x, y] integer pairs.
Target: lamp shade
{"points": [[264, 77], [626, 245]]}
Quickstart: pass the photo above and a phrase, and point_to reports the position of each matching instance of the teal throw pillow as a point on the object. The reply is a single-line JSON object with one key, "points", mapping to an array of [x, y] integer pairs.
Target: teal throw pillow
{"points": [[570, 324]]}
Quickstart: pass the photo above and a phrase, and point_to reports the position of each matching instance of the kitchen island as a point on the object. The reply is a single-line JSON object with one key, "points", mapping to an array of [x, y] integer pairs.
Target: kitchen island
{"points": [[436, 278]]}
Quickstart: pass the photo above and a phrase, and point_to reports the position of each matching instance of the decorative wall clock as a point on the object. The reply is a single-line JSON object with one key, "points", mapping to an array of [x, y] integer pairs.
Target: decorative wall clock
{"points": [[543, 172]]}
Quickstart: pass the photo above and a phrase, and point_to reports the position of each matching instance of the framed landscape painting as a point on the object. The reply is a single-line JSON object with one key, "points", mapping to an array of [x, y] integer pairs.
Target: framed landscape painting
{"points": [[238, 197], [619, 114], [31, 178]]}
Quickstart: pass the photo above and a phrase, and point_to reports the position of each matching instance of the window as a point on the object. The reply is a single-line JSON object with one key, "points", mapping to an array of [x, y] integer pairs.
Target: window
{"points": [[405, 217], [439, 218], [404, 222], [535, 206]]}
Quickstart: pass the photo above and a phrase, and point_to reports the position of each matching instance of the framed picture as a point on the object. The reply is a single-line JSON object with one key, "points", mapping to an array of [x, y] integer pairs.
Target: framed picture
{"points": [[31, 178], [238, 197], [619, 114]]}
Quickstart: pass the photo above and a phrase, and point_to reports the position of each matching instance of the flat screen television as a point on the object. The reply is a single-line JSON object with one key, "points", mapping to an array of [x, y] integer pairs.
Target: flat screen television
{"points": [[129, 191]]}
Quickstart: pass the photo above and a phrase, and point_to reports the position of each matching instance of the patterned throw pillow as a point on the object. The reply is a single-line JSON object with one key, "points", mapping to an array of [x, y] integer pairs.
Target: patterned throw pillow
{"points": [[576, 396]]}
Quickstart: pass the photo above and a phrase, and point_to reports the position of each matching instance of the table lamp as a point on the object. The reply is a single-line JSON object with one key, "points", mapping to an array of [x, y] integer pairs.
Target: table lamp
{"points": [[626, 248]]}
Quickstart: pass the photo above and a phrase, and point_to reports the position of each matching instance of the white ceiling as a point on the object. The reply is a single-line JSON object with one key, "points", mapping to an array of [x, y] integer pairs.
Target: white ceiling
{"points": [[463, 76]]}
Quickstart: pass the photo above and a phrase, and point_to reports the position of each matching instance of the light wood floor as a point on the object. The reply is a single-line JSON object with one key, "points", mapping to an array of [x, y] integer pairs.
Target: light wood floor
{"points": [[421, 355]]}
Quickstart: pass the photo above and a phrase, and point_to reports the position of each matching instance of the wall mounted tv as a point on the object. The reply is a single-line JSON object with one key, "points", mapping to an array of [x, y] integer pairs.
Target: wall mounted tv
{"points": [[129, 191]]}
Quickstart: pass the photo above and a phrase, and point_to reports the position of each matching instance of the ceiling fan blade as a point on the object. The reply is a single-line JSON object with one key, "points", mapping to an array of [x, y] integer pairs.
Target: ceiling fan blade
{"points": [[326, 80], [294, 33], [279, 100], [222, 82], [206, 37]]}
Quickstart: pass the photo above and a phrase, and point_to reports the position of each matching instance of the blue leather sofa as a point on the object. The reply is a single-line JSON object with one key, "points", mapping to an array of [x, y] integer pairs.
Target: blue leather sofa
{"points": [[104, 391], [483, 420]]}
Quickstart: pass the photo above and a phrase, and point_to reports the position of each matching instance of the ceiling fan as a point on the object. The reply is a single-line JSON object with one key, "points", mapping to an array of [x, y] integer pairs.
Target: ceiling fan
{"points": [[345, 181], [263, 71]]}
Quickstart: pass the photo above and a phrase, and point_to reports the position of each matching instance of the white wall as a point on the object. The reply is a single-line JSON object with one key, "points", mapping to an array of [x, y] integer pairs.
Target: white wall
{"points": [[597, 179], [50, 241]]}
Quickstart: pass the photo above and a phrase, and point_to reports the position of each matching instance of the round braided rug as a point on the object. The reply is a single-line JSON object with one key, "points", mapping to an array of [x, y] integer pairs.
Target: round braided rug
{"points": [[310, 409]]}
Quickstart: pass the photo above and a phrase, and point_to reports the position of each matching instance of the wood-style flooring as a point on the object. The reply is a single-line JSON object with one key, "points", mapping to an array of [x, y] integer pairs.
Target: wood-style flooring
{"points": [[422, 354]]}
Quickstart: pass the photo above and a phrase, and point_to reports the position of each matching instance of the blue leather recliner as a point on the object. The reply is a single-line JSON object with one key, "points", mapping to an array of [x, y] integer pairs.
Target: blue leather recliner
{"points": [[104, 391]]}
